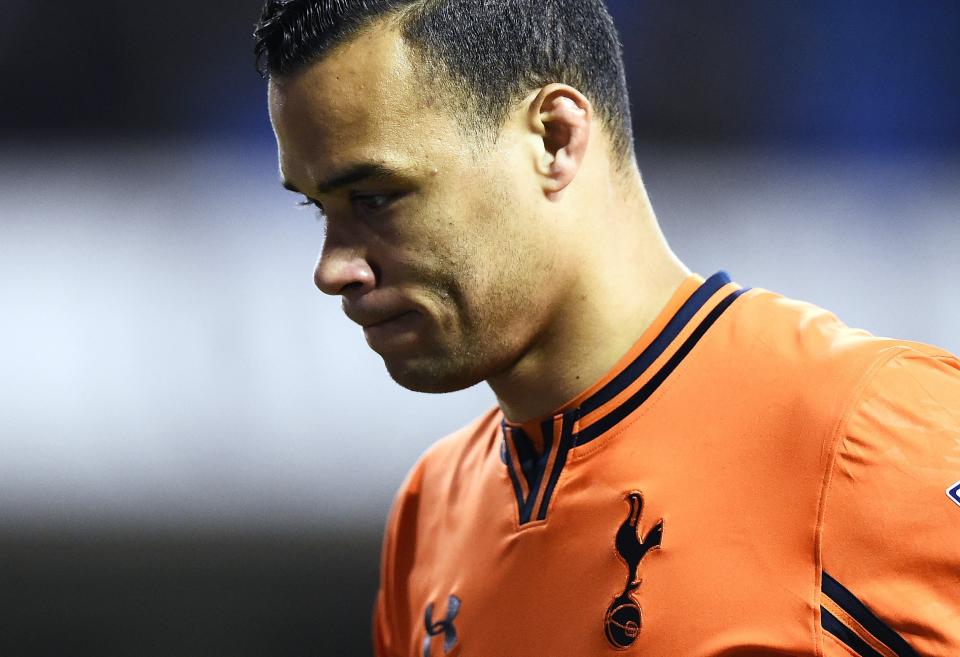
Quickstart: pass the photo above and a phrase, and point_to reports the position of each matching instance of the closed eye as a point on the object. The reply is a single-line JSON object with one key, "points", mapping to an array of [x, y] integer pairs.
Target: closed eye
{"points": [[371, 203], [308, 202], [374, 202]]}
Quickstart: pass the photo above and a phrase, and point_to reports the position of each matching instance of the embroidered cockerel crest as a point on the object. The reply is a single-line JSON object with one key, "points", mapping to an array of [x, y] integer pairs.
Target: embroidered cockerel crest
{"points": [[624, 618]]}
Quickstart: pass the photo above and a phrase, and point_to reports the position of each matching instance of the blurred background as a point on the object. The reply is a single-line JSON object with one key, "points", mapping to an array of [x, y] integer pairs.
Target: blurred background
{"points": [[197, 451]]}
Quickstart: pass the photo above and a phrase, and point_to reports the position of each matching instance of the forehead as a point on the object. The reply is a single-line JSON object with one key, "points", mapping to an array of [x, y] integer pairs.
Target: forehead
{"points": [[360, 102]]}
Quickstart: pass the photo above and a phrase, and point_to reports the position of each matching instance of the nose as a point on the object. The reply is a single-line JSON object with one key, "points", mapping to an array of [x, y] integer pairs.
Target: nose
{"points": [[344, 272]]}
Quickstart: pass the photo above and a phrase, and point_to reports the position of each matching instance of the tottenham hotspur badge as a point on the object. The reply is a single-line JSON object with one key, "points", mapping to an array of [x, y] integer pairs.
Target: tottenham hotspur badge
{"points": [[624, 619]]}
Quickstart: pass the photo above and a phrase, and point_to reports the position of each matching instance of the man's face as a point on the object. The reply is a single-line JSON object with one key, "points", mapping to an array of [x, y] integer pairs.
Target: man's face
{"points": [[443, 251]]}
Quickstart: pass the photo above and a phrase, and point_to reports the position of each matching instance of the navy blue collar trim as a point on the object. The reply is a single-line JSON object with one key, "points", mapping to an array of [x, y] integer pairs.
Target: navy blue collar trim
{"points": [[635, 370], [630, 405], [532, 465]]}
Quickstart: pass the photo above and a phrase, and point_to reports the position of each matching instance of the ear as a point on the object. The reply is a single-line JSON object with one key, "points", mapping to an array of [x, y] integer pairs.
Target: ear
{"points": [[561, 116]]}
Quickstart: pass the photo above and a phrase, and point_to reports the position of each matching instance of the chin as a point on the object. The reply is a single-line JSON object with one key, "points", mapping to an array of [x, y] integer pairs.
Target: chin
{"points": [[432, 376]]}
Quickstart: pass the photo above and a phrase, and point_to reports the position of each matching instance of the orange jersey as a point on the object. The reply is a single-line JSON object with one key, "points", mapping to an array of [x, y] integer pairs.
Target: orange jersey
{"points": [[752, 478]]}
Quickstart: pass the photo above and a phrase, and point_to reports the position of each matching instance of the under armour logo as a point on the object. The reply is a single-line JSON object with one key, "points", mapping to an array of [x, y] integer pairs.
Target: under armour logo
{"points": [[444, 627], [624, 619]]}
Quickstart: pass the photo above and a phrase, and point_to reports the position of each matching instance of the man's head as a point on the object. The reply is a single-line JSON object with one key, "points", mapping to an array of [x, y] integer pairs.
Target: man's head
{"points": [[453, 150]]}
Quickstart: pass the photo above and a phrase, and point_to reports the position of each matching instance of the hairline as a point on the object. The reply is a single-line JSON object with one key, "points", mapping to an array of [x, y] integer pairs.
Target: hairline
{"points": [[482, 134]]}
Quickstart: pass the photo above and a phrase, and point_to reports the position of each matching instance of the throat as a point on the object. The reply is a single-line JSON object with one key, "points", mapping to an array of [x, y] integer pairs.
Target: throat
{"points": [[584, 343]]}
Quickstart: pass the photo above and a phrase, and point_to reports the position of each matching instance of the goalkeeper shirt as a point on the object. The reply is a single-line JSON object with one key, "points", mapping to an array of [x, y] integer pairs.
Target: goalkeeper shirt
{"points": [[752, 478]]}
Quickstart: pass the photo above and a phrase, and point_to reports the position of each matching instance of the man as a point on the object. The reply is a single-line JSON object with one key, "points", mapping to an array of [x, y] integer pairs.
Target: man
{"points": [[676, 466]]}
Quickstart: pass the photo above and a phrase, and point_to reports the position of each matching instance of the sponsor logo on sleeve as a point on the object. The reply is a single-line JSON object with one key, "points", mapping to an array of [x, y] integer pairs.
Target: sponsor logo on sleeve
{"points": [[954, 493]]}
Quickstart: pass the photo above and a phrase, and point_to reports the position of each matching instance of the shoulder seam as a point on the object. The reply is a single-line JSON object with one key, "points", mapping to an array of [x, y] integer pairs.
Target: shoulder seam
{"points": [[835, 438]]}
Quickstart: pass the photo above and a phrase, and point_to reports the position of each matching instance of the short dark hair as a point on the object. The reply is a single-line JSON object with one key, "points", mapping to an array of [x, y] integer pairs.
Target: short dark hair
{"points": [[498, 50]]}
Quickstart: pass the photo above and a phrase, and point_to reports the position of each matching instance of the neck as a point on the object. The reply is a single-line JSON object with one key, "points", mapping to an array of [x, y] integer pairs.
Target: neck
{"points": [[623, 284]]}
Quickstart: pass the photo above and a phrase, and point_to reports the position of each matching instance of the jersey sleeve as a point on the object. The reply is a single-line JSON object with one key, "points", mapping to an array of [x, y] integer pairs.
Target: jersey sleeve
{"points": [[391, 608], [383, 633], [890, 527], [381, 637]]}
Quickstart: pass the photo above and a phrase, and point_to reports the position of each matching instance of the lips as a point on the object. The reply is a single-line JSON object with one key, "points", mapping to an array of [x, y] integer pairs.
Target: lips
{"points": [[372, 317], [399, 332], [387, 320]]}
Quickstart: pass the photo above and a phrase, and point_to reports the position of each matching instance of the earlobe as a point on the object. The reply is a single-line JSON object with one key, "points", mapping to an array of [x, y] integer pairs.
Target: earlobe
{"points": [[562, 117]]}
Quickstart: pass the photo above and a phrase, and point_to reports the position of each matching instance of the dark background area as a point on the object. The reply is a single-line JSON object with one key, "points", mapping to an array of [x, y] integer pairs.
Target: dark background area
{"points": [[186, 593], [856, 74], [855, 77]]}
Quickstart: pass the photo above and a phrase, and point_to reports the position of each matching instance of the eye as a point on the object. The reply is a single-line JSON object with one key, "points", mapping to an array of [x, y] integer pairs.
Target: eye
{"points": [[307, 202], [374, 202]]}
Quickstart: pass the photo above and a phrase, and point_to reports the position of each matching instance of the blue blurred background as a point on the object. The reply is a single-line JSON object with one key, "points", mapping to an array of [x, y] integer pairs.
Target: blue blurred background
{"points": [[197, 451]]}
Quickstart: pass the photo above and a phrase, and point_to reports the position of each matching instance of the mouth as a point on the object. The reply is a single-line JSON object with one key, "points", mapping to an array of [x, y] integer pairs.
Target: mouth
{"points": [[394, 331], [385, 322]]}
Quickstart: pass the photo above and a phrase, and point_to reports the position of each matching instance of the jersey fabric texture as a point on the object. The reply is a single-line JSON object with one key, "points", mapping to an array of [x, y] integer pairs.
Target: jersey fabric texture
{"points": [[752, 478]]}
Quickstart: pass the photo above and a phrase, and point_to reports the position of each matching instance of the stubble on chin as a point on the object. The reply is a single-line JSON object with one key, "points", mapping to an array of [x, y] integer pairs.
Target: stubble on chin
{"points": [[432, 374]]}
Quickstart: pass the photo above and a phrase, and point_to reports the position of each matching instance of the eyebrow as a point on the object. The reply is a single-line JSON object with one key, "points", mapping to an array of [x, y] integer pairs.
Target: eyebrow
{"points": [[349, 176]]}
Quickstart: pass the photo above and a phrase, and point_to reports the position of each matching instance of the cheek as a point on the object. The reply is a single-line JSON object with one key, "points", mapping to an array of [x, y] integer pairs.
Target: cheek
{"points": [[481, 250], [507, 264]]}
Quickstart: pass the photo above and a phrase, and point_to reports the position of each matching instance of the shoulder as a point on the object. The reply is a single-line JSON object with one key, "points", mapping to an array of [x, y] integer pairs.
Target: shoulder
{"points": [[799, 331], [890, 518], [908, 407], [888, 415], [435, 474], [464, 448], [411, 510], [882, 404], [812, 345], [447, 460], [804, 368]]}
